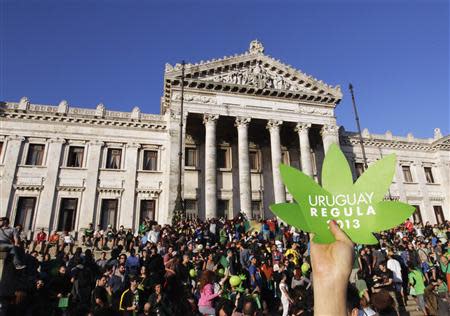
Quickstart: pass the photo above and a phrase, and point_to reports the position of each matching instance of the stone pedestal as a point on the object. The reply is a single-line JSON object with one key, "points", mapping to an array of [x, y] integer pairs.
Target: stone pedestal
{"points": [[275, 147], [210, 121], [245, 189]]}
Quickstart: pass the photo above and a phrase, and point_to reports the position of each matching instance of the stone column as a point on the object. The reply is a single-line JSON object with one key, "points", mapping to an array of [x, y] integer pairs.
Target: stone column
{"points": [[210, 121], [89, 202], [47, 203], [275, 148], [127, 209], [245, 188], [305, 150], [11, 160], [330, 135]]}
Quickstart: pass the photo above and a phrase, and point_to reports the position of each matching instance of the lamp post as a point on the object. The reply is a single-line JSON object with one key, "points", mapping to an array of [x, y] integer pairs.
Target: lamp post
{"points": [[179, 211], [361, 141]]}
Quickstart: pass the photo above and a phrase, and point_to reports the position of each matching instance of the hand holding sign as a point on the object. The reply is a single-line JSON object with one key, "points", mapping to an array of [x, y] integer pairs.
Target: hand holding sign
{"points": [[357, 207]]}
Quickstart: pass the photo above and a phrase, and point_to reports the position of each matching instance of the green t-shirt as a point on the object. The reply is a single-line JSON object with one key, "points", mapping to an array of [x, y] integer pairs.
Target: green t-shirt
{"points": [[416, 277], [361, 285], [442, 288]]}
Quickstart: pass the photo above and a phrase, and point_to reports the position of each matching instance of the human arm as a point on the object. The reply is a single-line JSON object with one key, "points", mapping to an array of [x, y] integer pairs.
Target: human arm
{"points": [[331, 267]]}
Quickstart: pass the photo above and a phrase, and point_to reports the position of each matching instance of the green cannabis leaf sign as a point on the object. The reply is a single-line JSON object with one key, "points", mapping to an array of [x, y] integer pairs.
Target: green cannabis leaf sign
{"points": [[359, 208]]}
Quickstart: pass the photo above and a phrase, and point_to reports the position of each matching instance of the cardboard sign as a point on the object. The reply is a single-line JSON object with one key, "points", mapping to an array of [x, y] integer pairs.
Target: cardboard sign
{"points": [[359, 208]]}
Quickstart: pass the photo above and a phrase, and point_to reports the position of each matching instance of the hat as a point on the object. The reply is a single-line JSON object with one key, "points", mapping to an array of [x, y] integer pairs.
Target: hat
{"points": [[251, 258]]}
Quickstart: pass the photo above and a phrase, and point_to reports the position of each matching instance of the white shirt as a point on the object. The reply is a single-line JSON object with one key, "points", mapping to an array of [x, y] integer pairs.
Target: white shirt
{"points": [[396, 269]]}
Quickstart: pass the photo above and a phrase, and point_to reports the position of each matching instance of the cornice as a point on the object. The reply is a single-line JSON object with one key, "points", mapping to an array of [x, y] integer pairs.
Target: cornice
{"points": [[49, 113], [395, 142]]}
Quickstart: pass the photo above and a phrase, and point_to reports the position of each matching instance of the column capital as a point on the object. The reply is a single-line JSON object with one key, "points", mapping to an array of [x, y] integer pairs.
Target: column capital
{"points": [[273, 125], [302, 127], [56, 140], [242, 121], [210, 118], [329, 130]]}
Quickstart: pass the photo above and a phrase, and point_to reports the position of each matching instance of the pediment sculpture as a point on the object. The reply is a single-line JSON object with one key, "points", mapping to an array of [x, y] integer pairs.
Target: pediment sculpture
{"points": [[256, 75]]}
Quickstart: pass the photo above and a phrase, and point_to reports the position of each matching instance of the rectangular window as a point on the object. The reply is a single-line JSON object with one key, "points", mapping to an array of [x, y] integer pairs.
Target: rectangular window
{"points": [[428, 174], [359, 168], [67, 214], [108, 213], [25, 211], [114, 158], [222, 208], [407, 176], [417, 216], [223, 158], [150, 160], [439, 213], [75, 157], [191, 208], [285, 157], [254, 160], [190, 157], [1, 148], [256, 209], [35, 156], [147, 210]]}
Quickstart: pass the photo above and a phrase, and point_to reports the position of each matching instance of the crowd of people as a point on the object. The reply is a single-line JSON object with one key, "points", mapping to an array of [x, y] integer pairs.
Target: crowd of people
{"points": [[223, 267]]}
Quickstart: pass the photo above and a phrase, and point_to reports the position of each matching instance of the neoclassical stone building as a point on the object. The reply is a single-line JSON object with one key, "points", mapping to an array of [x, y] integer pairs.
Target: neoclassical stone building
{"points": [[63, 167]]}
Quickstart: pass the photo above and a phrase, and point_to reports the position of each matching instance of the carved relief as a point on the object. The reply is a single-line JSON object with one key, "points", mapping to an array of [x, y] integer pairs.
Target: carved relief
{"points": [[329, 130], [302, 127], [210, 118], [273, 125], [257, 76], [242, 121], [194, 98]]}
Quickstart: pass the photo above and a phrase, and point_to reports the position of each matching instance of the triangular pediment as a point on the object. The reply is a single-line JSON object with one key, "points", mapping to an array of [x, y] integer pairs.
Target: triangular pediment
{"points": [[253, 69]]}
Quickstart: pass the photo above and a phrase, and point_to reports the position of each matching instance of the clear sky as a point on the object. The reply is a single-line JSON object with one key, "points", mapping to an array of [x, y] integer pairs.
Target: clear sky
{"points": [[396, 52]]}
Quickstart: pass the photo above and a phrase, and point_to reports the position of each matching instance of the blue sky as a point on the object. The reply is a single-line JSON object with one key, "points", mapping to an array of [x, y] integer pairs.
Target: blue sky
{"points": [[396, 53]]}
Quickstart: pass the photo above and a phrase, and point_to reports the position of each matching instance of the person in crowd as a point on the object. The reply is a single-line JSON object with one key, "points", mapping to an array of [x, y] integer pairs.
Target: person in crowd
{"points": [[207, 295], [227, 267], [10, 239], [41, 239], [132, 299]]}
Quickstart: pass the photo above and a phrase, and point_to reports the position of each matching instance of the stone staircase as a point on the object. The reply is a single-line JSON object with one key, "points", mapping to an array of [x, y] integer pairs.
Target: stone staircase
{"points": [[411, 309]]}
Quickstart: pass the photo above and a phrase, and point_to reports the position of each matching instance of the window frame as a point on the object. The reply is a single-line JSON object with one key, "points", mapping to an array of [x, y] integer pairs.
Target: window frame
{"points": [[405, 180], [30, 225], [76, 211], [430, 169], [228, 158], [69, 147], [44, 154], [195, 150], [258, 156], [417, 212], [107, 150], [144, 151], [2, 149]]}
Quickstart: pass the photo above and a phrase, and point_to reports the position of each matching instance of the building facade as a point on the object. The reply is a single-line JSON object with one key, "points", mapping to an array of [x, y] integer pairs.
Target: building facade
{"points": [[63, 167]]}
